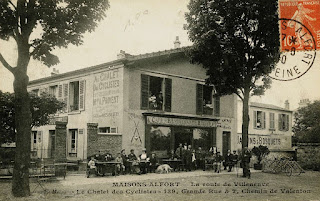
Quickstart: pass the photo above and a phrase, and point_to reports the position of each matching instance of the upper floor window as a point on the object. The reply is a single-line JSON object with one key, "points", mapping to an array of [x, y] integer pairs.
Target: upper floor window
{"points": [[156, 93], [259, 119], [204, 99], [272, 125], [283, 122], [35, 91], [53, 90], [73, 95]]}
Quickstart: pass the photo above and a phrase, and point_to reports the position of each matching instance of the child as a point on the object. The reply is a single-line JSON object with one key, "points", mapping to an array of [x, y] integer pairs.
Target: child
{"points": [[120, 167], [92, 163]]}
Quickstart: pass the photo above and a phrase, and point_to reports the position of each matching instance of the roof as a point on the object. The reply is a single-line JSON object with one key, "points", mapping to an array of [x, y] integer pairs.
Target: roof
{"points": [[128, 60], [268, 106]]}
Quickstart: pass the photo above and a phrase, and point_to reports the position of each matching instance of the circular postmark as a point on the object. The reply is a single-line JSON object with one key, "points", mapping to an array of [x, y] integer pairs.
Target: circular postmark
{"points": [[298, 51]]}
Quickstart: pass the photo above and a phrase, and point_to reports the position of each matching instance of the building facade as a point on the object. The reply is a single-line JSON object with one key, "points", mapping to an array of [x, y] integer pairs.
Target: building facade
{"points": [[155, 100]]}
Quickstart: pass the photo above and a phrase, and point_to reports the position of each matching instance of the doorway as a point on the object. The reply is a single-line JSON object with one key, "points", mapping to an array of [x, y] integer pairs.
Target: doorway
{"points": [[183, 135], [226, 145]]}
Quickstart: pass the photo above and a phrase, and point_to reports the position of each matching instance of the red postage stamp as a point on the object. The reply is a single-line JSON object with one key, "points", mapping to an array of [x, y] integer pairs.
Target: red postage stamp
{"points": [[301, 20]]}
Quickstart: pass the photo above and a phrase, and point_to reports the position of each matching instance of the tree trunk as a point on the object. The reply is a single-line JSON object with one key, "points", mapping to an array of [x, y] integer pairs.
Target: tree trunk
{"points": [[20, 181], [245, 119]]}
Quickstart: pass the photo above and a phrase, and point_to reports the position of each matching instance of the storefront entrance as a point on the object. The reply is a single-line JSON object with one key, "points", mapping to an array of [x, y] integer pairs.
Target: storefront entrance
{"points": [[183, 135]]}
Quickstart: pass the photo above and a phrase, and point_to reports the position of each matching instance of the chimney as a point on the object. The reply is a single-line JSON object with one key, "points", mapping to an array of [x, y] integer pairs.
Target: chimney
{"points": [[121, 55], [304, 102], [54, 72], [287, 105], [177, 42]]}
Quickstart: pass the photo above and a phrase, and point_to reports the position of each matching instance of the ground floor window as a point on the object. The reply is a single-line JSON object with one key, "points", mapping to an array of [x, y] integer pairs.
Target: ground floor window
{"points": [[160, 140]]}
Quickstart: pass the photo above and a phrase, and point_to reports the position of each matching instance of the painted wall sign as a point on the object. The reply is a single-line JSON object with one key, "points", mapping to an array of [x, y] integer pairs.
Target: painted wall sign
{"points": [[271, 141], [107, 97], [223, 123]]}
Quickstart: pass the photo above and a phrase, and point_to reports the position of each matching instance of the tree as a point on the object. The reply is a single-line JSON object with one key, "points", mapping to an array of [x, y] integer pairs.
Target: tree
{"points": [[41, 107], [307, 123], [60, 23], [237, 41]]}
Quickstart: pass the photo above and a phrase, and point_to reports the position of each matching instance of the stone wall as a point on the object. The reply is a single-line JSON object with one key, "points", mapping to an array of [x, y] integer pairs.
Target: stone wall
{"points": [[102, 142], [308, 155]]}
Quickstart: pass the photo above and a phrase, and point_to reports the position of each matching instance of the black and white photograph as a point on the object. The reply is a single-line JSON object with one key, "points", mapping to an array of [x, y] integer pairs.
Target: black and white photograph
{"points": [[160, 100]]}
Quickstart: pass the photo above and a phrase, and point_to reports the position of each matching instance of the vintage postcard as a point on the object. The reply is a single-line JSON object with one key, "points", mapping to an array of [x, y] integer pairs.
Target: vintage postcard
{"points": [[160, 100]]}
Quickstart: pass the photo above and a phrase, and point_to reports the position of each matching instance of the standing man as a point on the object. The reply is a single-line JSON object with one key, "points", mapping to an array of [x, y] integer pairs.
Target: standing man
{"points": [[246, 156], [200, 156], [188, 158]]}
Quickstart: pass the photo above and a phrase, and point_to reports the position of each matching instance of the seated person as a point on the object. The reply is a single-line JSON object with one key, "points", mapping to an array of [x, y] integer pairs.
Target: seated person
{"points": [[92, 166], [108, 157], [120, 167], [172, 155], [217, 162], [99, 156], [153, 162], [132, 158], [125, 161], [143, 158]]}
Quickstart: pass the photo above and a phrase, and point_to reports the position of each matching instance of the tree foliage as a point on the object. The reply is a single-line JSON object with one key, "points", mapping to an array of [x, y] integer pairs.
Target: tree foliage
{"points": [[38, 27], [237, 41], [42, 108], [62, 22], [307, 123]]}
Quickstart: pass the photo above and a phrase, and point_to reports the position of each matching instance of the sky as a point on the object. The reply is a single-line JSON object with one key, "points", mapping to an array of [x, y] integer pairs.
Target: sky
{"points": [[144, 26]]}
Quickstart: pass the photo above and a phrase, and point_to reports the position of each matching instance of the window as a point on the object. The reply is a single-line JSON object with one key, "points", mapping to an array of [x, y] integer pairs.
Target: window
{"points": [[35, 92], [272, 126], [160, 140], [283, 122], [156, 93], [259, 119], [53, 90], [204, 99], [104, 130], [73, 95], [34, 137], [73, 137]]}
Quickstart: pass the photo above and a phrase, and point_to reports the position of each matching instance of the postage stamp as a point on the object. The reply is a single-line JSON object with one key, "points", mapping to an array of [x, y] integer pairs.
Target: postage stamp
{"points": [[299, 38], [300, 12]]}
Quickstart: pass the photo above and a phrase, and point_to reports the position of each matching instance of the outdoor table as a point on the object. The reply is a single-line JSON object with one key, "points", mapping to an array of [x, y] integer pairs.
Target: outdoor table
{"points": [[61, 168], [174, 163], [103, 165]]}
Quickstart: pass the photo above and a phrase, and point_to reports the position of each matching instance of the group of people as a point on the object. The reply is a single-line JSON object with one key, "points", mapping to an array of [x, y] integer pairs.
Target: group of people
{"points": [[190, 159], [130, 163]]}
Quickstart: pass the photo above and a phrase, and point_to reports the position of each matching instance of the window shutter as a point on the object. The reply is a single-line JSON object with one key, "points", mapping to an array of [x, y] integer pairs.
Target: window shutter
{"points": [[263, 120], [287, 122], [65, 96], [255, 119], [280, 122], [217, 106], [199, 99], [167, 94], [144, 91], [82, 88], [39, 136], [60, 92]]}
